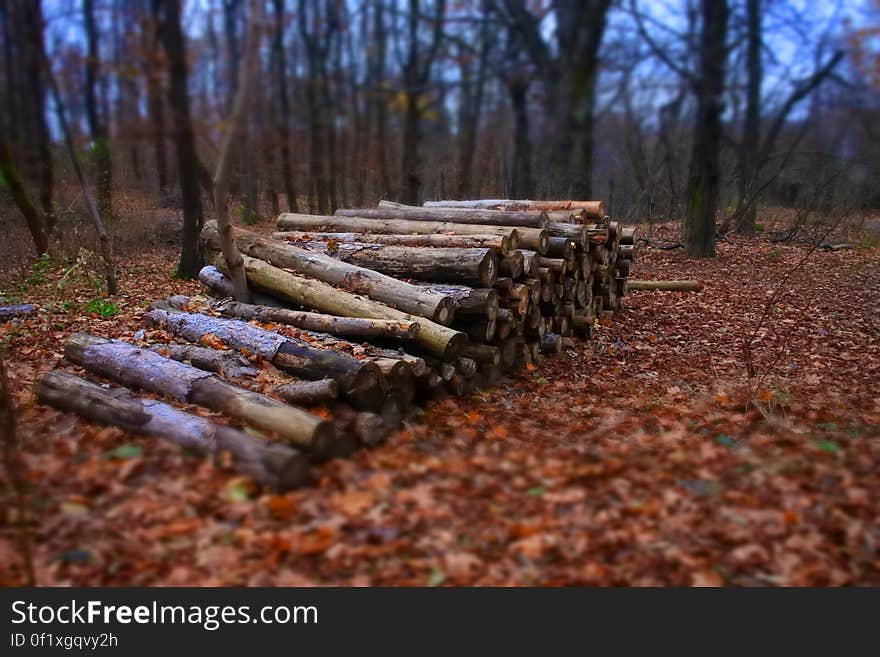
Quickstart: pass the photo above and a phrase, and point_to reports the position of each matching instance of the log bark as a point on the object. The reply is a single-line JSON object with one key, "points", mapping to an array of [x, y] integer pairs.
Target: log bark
{"points": [[149, 371], [225, 363], [350, 327], [13, 312], [307, 222], [275, 465], [218, 284], [478, 267], [673, 286], [483, 353], [360, 382], [434, 338], [352, 278], [469, 303], [595, 209], [308, 393], [502, 243], [452, 215], [512, 265]]}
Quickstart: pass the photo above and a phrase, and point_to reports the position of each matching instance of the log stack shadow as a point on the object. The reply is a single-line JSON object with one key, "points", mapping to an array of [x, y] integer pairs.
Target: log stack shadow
{"points": [[356, 319]]}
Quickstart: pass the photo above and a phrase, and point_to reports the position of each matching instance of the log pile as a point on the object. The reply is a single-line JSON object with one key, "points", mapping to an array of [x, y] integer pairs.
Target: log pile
{"points": [[354, 318]]}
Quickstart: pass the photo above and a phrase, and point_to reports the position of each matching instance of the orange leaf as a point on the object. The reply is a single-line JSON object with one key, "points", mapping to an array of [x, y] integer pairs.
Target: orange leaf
{"points": [[212, 341]]}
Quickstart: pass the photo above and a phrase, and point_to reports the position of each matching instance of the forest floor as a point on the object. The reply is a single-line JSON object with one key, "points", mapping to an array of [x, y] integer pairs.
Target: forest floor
{"points": [[645, 456]]}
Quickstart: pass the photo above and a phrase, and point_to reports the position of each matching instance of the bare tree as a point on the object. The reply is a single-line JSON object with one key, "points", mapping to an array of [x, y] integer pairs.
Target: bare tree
{"points": [[101, 155], [174, 44]]}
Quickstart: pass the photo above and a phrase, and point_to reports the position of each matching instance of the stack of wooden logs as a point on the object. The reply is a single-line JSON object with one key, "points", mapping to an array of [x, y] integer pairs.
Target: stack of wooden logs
{"points": [[353, 319]]}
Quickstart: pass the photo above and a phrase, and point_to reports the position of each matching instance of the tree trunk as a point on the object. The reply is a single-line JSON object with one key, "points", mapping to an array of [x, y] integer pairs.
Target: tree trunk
{"points": [[668, 286], [32, 216], [501, 243], [522, 184], [355, 279], [434, 338], [283, 106], [359, 381], [704, 179], [276, 465], [306, 222], [309, 393], [350, 327], [453, 215], [746, 210], [101, 154], [478, 267], [155, 105], [144, 369], [235, 131], [171, 35], [225, 363]]}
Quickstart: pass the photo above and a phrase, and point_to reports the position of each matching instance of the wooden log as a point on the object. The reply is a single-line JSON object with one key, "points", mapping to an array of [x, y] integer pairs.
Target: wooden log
{"points": [[436, 339], [468, 302], [147, 370], [308, 393], [556, 264], [512, 265], [533, 239], [350, 327], [669, 286], [534, 347], [504, 324], [466, 367], [477, 267], [399, 374], [594, 209], [561, 247], [530, 263], [452, 215], [360, 382], [353, 278], [535, 286], [551, 344], [219, 285], [16, 312], [225, 363], [501, 243], [483, 353], [562, 325], [275, 465], [369, 428], [577, 233], [626, 252], [628, 234], [308, 222], [480, 331]]}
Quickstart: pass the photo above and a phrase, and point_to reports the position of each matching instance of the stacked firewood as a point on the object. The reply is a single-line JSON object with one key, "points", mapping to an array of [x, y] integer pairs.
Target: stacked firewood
{"points": [[353, 318]]}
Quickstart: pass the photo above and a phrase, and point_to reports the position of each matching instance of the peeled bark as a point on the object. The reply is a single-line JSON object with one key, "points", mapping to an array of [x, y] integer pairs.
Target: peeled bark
{"points": [[350, 327], [273, 464], [397, 294], [457, 216], [308, 222], [360, 382], [434, 338], [499, 242], [144, 369], [669, 286]]}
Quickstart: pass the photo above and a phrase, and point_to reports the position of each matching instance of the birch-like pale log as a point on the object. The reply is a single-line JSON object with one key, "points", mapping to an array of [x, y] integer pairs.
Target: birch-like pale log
{"points": [[275, 465], [502, 243], [360, 382], [452, 215], [142, 368], [434, 338], [225, 363], [310, 222], [348, 327], [359, 280]]}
